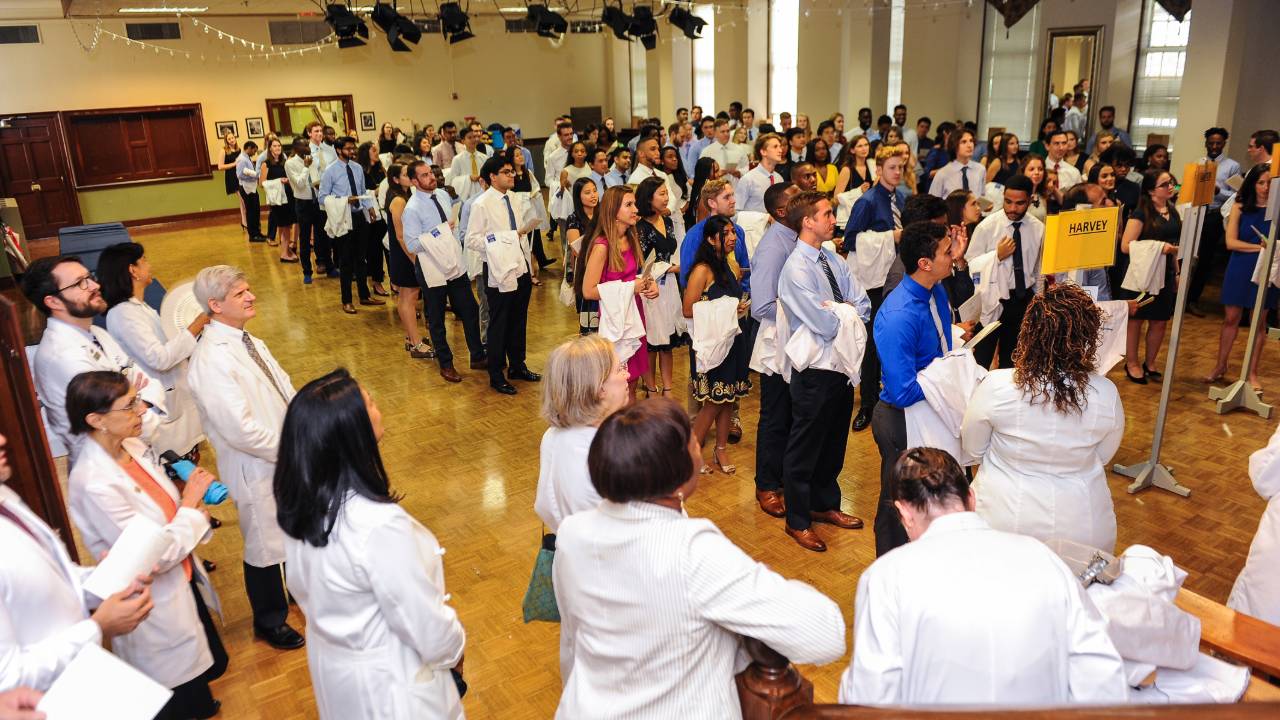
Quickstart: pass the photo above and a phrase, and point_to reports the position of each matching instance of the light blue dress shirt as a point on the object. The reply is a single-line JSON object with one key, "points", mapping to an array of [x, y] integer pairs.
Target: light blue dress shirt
{"points": [[766, 268], [420, 216], [334, 182], [803, 287]]}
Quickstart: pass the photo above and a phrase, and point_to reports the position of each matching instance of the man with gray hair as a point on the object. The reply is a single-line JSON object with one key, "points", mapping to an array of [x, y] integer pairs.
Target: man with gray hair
{"points": [[242, 393]]}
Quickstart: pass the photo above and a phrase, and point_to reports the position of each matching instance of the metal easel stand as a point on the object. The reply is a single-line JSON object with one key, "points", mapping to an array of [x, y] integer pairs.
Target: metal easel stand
{"points": [[1240, 394], [1152, 473]]}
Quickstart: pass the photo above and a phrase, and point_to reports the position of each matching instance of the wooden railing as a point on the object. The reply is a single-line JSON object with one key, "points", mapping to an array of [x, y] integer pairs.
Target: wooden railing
{"points": [[772, 689]]}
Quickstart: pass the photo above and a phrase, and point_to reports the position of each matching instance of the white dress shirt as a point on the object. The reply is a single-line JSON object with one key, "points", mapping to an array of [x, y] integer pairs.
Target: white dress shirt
{"points": [[968, 615], [951, 177], [488, 215], [729, 156], [749, 192], [564, 485], [1068, 175], [1044, 473], [996, 227], [295, 168], [459, 173], [653, 602]]}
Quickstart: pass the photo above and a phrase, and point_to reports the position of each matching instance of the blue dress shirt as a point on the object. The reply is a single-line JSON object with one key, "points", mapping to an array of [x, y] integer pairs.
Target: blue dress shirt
{"points": [[689, 250], [420, 216], [614, 178], [246, 174], [766, 268], [803, 287], [334, 182], [873, 211], [907, 339], [598, 179]]}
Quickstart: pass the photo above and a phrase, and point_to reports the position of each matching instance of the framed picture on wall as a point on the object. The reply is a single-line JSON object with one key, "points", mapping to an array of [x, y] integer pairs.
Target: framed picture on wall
{"points": [[368, 122], [222, 127], [254, 127]]}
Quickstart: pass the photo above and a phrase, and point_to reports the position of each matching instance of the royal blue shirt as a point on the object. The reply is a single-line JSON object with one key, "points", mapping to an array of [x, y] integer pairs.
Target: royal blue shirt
{"points": [[689, 250], [873, 211], [907, 339]]}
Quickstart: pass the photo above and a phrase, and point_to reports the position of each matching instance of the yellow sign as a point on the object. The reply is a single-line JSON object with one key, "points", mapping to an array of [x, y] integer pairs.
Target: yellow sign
{"points": [[1199, 183], [1080, 239]]}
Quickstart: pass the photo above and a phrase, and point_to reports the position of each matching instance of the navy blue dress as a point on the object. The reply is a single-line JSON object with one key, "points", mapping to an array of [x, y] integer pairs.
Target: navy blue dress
{"points": [[1238, 288]]}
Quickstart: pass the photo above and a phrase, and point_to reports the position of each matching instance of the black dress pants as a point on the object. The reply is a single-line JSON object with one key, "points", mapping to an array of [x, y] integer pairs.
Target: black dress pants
{"points": [[375, 254], [326, 259], [889, 428], [1211, 245], [268, 597], [1005, 336], [351, 252], [193, 697], [869, 392], [508, 318], [821, 408], [252, 212], [308, 216], [772, 432], [457, 292]]}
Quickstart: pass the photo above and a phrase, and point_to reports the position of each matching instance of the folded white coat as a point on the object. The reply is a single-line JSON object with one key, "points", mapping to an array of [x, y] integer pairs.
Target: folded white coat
{"points": [[765, 358], [276, 194], [948, 383], [441, 256], [753, 224], [620, 321], [844, 205], [803, 349], [1275, 268], [992, 282], [1115, 334], [506, 260], [664, 315], [715, 324], [1146, 267], [337, 213], [874, 254]]}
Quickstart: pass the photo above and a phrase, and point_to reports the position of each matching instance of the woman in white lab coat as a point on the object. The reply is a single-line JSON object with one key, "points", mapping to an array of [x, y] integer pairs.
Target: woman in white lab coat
{"points": [[1257, 589], [382, 642], [1046, 428], [583, 384], [653, 602], [112, 483], [125, 273]]}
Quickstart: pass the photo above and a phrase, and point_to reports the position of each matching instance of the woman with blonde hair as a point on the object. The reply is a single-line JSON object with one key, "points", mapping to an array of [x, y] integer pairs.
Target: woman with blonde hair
{"points": [[584, 383], [615, 254], [1105, 139]]}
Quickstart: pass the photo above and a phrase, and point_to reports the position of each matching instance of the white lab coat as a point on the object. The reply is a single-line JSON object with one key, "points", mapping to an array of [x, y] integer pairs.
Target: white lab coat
{"points": [[1257, 589], [875, 253], [968, 615], [1044, 473], [992, 281], [136, 326], [620, 321], [44, 611], [1146, 267], [64, 352], [713, 327], [652, 603], [753, 224], [381, 637], [564, 485], [243, 415], [170, 646], [337, 214], [948, 382]]}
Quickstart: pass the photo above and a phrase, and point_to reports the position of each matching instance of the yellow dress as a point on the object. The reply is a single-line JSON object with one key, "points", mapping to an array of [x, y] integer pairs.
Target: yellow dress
{"points": [[827, 177]]}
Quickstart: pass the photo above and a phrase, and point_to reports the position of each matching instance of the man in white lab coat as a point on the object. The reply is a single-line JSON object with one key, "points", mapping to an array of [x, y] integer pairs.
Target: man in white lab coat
{"points": [[242, 393], [44, 610], [967, 615], [65, 291]]}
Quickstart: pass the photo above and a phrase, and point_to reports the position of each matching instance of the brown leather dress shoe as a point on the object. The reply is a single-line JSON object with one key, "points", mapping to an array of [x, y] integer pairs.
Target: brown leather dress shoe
{"points": [[373, 301], [771, 503], [481, 364], [348, 308], [837, 518], [450, 374], [807, 539]]}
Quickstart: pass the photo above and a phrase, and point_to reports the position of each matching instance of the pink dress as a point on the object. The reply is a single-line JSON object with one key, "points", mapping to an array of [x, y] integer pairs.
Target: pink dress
{"points": [[638, 365]]}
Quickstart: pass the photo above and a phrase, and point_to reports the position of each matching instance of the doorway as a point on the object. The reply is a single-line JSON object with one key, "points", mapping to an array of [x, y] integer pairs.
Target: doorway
{"points": [[33, 171], [288, 116]]}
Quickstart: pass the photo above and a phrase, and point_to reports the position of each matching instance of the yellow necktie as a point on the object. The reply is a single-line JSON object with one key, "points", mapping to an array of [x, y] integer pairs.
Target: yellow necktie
{"points": [[474, 170]]}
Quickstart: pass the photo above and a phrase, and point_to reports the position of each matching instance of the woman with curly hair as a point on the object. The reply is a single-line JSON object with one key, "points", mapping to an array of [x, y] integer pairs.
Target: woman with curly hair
{"points": [[1046, 428]]}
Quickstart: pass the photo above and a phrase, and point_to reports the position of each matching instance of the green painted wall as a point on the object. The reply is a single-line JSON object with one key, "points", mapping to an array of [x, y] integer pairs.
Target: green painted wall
{"points": [[120, 204]]}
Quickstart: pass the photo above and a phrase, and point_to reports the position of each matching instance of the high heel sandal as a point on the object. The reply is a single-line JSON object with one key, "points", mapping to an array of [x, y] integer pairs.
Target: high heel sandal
{"points": [[1211, 379], [726, 469]]}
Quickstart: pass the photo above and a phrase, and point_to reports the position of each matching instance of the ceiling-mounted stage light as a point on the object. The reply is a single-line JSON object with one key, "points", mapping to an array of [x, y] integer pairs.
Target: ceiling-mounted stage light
{"points": [[643, 27], [454, 23], [547, 24], [397, 27], [616, 20], [688, 23], [351, 30]]}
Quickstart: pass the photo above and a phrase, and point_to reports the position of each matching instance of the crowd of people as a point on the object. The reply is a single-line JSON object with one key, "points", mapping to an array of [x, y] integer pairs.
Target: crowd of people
{"points": [[808, 264]]}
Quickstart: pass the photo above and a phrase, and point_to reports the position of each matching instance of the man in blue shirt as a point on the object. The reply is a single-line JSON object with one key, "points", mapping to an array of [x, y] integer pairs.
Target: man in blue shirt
{"points": [[721, 201], [345, 179], [1107, 121], [247, 175], [878, 211], [912, 329], [821, 399], [692, 150], [423, 213], [775, 397], [621, 167]]}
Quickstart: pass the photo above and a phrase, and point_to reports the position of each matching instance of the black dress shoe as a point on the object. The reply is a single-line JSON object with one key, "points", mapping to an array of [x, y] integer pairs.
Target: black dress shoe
{"points": [[281, 638], [526, 374], [215, 523], [1140, 380], [1151, 373], [209, 565], [481, 364], [861, 420], [214, 709], [505, 388]]}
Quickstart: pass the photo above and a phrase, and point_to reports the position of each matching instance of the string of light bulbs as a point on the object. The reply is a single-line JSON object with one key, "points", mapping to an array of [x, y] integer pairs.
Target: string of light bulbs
{"points": [[267, 53]]}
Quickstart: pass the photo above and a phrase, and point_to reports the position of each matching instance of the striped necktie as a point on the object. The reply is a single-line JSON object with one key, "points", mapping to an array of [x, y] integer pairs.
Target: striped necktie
{"points": [[831, 278]]}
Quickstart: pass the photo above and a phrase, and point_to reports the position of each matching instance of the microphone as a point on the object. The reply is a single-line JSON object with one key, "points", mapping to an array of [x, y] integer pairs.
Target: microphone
{"points": [[176, 466]]}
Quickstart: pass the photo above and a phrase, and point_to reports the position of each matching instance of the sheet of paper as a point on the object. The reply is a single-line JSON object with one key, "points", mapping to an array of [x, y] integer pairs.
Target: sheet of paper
{"points": [[970, 309], [982, 335], [99, 685], [134, 553]]}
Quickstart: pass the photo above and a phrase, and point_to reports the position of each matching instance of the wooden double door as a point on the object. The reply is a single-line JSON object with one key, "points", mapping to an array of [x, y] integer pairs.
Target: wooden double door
{"points": [[34, 171]]}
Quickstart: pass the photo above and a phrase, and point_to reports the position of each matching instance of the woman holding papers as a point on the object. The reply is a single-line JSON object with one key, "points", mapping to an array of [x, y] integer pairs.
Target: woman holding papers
{"points": [[383, 644], [113, 484], [1046, 428], [1246, 227], [400, 262], [718, 388], [658, 238], [614, 255], [1155, 219]]}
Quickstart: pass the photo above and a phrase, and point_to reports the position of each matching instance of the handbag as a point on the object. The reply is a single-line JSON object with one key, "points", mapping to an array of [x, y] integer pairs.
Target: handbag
{"points": [[540, 598]]}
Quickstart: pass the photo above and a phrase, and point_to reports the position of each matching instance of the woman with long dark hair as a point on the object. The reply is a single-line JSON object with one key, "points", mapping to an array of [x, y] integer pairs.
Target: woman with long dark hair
{"points": [[527, 182], [1047, 126], [382, 642], [859, 169], [1005, 163], [281, 217], [819, 154], [375, 251], [658, 236], [579, 226], [705, 170], [401, 262], [387, 139], [1154, 219], [1045, 198], [1046, 428]]}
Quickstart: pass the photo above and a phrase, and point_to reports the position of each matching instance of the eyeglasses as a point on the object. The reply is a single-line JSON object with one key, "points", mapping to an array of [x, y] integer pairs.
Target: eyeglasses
{"points": [[131, 407], [507, 171], [83, 283], [1165, 184]]}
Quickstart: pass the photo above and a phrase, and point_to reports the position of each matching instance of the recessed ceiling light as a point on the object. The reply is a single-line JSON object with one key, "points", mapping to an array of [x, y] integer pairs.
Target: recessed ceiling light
{"points": [[164, 10]]}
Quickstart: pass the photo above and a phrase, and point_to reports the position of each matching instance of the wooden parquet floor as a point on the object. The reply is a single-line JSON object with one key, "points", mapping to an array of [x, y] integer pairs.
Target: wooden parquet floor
{"points": [[466, 460]]}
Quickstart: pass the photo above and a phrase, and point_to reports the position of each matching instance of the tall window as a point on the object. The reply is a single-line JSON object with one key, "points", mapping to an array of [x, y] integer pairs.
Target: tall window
{"points": [[704, 61], [639, 80], [897, 19], [1009, 96], [1158, 86], [784, 45]]}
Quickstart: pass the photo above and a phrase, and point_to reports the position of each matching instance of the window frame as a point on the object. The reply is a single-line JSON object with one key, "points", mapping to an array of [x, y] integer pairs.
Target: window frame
{"points": [[1151, 12]]}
